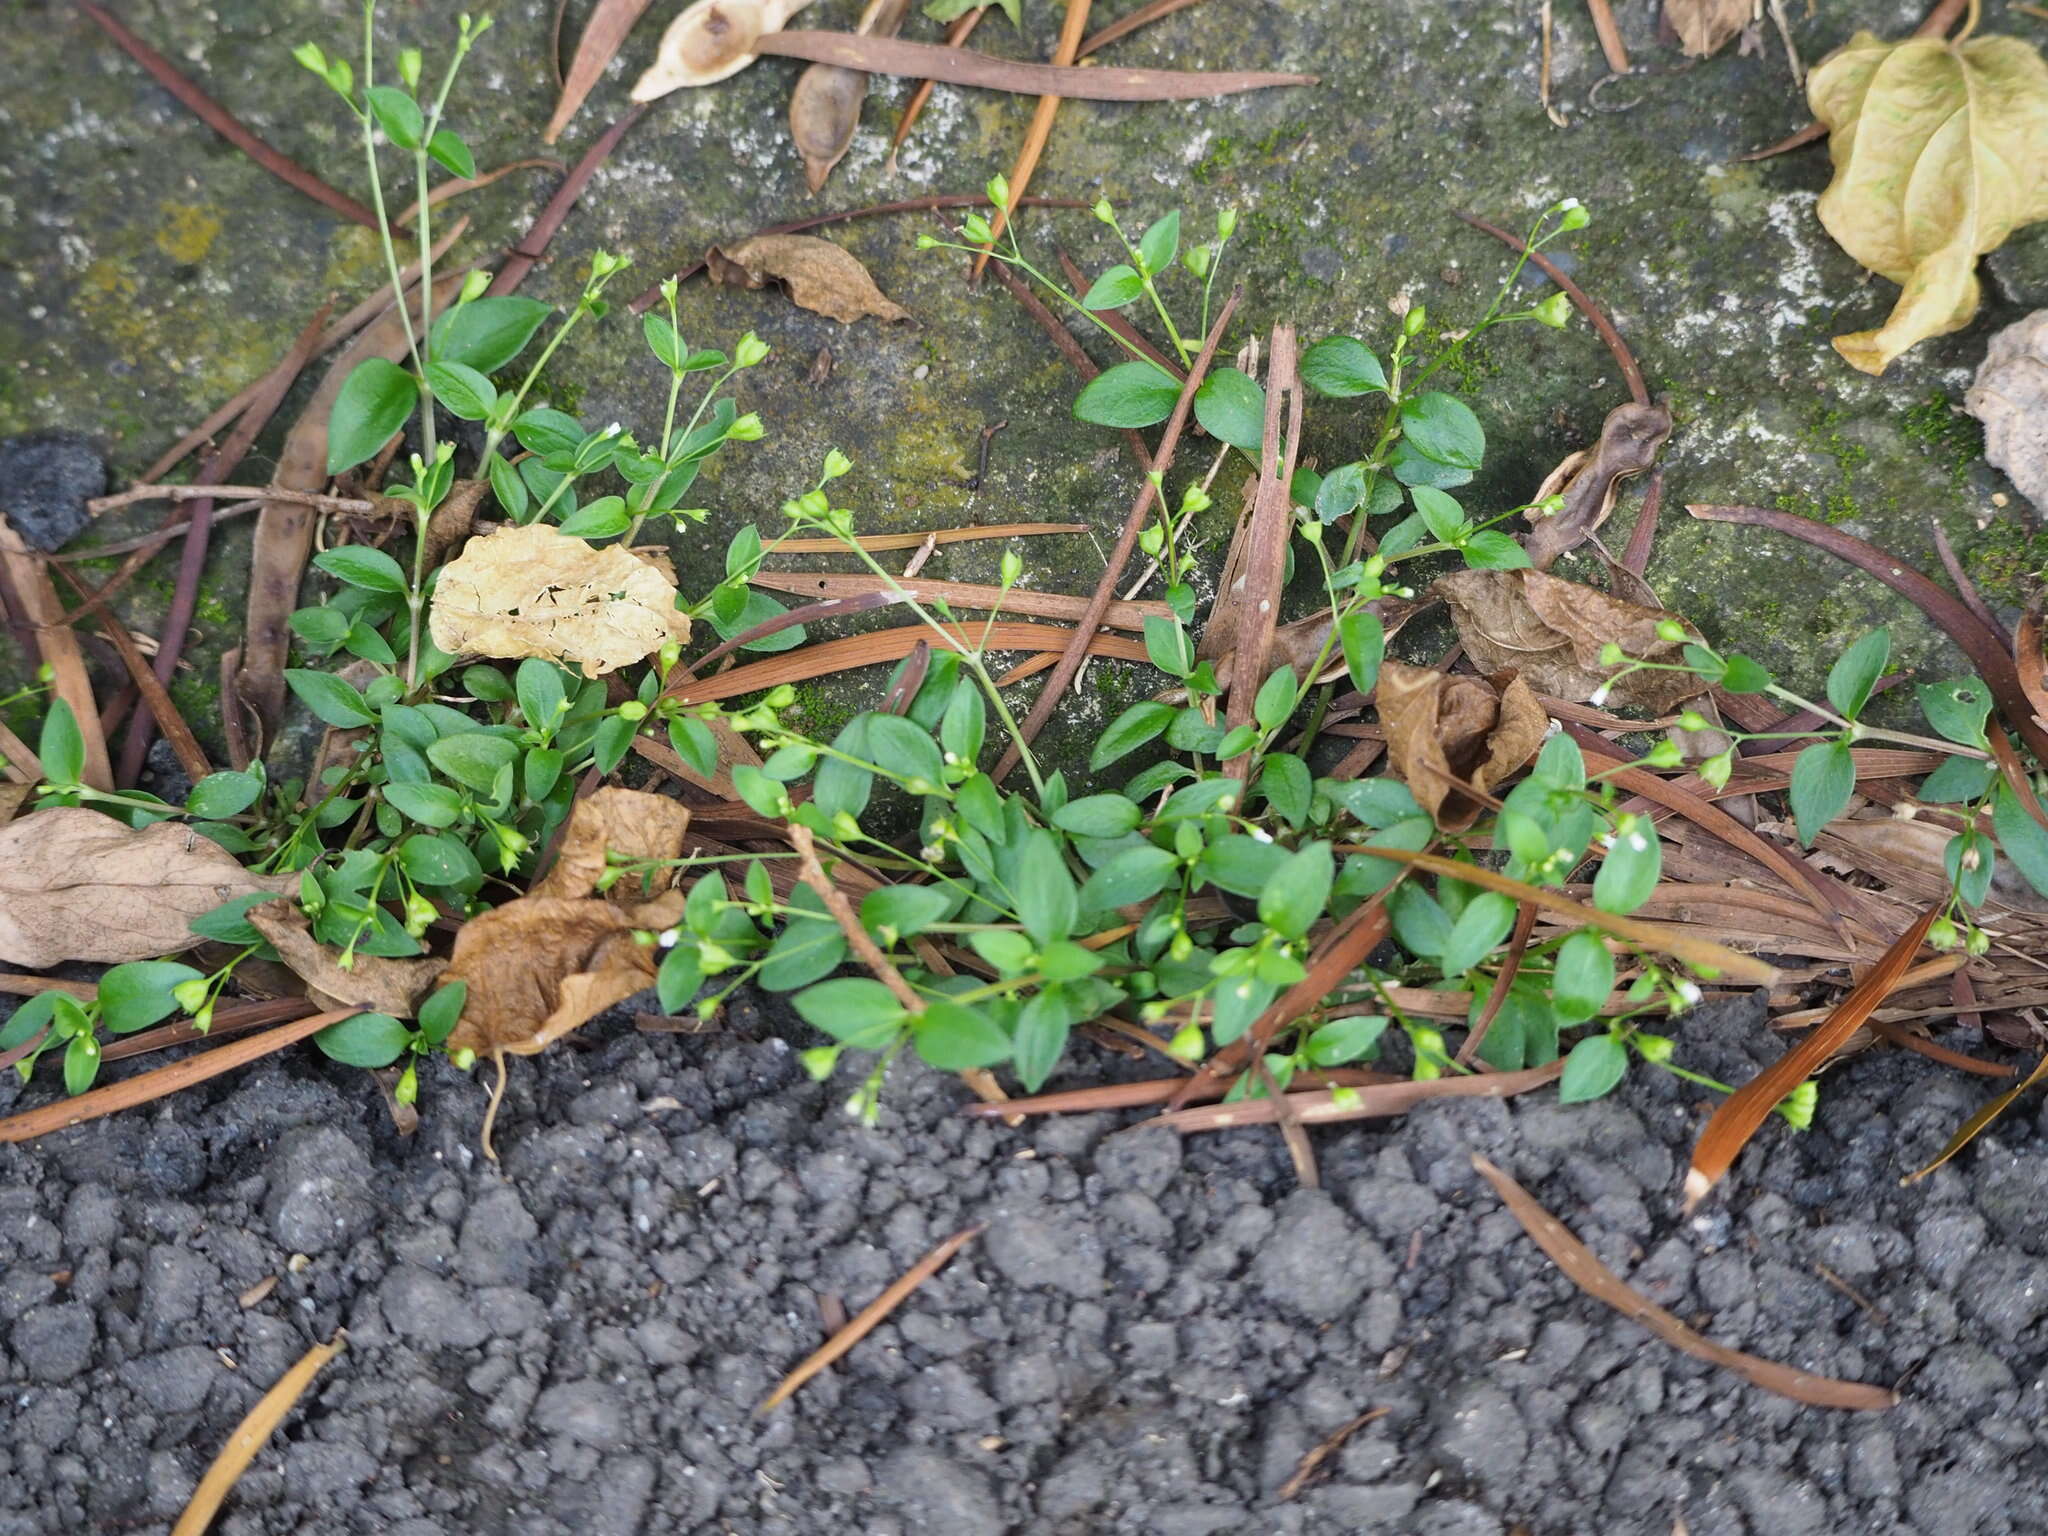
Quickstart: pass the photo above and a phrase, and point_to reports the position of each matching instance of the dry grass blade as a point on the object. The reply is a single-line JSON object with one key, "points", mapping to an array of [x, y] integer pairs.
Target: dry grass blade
{"points": [[257, 1426], [870, 1316], [602, 37], [963, 66], [1729, 1128], [1072, 27], [1604, 1285], [1322, 1452], [1123, 26], [1709, 959], [462, 184], [957, 34], [1610, 35], [155, 697], [1973, 1127], [1129, 615], [888, 645], [1077, 1101], [1950, 614], [1375, 1102], [874, 543], [1084, 637], [115, 1097], [34, 602], [1272, 524], [224, 123]]}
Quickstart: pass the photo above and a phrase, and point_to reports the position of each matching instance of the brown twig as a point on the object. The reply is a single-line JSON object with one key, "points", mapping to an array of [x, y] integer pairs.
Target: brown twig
{"points": [[34, 602], [1272, 523], [462, 184], [1518, 946], [1377, 1102], [521, 258], [1595, 315], [871, 1315], [1073, 27], [1126, 332], [1122, 614], [1123, 26], [1966, 589], [1105, 590], [1063, 342], [1610, 36], [864, 948], [154, 492], [957, 34], [224, 122], [155, 697], [1318, 1454]]}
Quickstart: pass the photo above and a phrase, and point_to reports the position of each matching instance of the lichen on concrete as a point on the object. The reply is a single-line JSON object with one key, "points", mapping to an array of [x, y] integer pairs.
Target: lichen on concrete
{"points": [[155, 271]]}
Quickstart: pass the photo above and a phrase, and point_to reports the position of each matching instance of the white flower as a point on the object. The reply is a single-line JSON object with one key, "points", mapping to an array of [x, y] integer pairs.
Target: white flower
{"points": [[1599, 698], [668, 937], [1690, 992]]}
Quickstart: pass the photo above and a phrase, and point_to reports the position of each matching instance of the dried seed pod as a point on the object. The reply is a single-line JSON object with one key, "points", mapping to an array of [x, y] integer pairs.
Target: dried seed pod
{"points": [[711, 40], [824, 109]]}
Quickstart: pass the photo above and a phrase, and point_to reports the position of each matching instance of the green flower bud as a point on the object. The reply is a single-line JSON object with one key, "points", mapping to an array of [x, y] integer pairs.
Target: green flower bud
{"points": [[998, 190], [747, 429], [814, 504], [1671, 632], [409, 67], [977, 230], [1693, 720], [632, 709], [1226, 223], [1664, 754], [1413, 322], [1656, 1049], [407, 1088], [192, 995], [1555, 311], [1798, 1106], [1103, 211], [1978, 943], [462, 1059], [474, 286], [1012, 567], [819, 1061], [1612, 655], [1573, 215], [1196, 259], [1715, 770], [749, 350], [1188, 1044], [926, 242], [836, 464], [1941, 933]]}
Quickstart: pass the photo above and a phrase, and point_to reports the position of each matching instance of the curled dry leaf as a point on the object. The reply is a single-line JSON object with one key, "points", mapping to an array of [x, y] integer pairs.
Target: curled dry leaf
{"points": [[536, 591], [1443, 728], [453, 521], [711, 40], [1590, 483], [1938, 149], [628, 822], [1705, 27], [371, 983], [76, 885], [2010, 397], [824, 109], [818, 274], [1552, 631]]}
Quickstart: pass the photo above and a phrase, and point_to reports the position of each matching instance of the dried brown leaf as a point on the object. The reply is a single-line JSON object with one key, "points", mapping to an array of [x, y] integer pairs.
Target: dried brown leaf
{"points": [[453, 521], [602, 38], [76, 885], [536, 591], [1630, 439], [711, 40], [1552, 632], [819, 275], [824, 108], [372, 983], [628, 822], [1443, 728], [1705, 27], [2010, 396]]}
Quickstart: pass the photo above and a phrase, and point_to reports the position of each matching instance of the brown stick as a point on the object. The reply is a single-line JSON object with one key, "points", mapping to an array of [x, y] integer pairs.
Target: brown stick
{"points": [[876, 542], [1134, 523], [257, 1426], [152, 492], [963, 66], [1130, 615], [155, 697], [462, 184], [164, 1081], [1123, 26], [1518, 946], [1371, 1103], [36, 600], [521, 258], [1610, 36], [871, 1315], [864, 948], [962, 28], [1072, 28], [1265, 562], [1063, 342], [224, 123], [17, 760]]}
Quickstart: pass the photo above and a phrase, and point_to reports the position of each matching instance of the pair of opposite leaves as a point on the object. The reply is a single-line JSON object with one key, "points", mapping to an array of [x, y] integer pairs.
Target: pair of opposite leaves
{"points": [[1941, 152]]}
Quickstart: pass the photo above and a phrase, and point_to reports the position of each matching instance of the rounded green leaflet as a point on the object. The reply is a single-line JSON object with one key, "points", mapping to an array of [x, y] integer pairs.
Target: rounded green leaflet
{"points": [[954, 1038], [367, 1040], [1133, 394]]}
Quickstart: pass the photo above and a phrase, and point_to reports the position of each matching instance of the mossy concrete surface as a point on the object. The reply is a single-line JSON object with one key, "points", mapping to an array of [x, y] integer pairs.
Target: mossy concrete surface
{"points": [[154, 271]]}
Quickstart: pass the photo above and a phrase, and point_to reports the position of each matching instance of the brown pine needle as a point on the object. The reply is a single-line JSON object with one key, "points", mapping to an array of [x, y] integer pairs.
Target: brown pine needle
{"points": [[867, 1320], [1072, 30], [1318, 1454], [957, 34], [1973, 1127], [257, 1426], [1610, 35], [1603, 1284]]}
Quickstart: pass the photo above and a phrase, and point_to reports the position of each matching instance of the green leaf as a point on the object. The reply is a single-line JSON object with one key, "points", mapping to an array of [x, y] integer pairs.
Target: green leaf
{"points": [[447, 147], [473, 759], [1340, 492], [1041, 1039], [1168, 646], [1970, 860], [694, 744], [1584, 977], [1376, 802], [1342, 366], [221, 795], [32, 1015], [905, 909], [954, 1038], [1823, 778], [332, 698], [1957, 781], [1491, 550], [1275, 699], [466, 393], [1957, 709], [228, 923], [1239, 1001], [62, 748], [1130, 731], [1342, 1040], [509, 489], [2022, 837], [1133, 394], [1047, 903], [543, 699], [1159, 244], [1242, 865], [1592, 1069], [680, 976], [361, 566], [442, 1011], [367, 1040], [1856, 672], [904, 749], [853, 1010], [137, 995], [805, 951], [1629, 872], [81, 1064], [603, 518], [321, 629], [840, 785], [1420, 922], [1136, 874], [1442, 428], [372, 407], [1477, 932], [1009, 952], [1740, 674], [397, 114], [486, 334], [431, 805], [1284, 781], [664, 341], [1364, 639], [440, 861], [546, 431], [1114, 289], [965, 723], [1098, 816], [1441, 514], [1299, 890], [1232, 409]]}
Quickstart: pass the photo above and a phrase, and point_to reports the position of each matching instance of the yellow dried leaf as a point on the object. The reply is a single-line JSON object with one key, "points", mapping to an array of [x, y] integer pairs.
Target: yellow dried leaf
{"points": [[535, 591], [1705, 27], [1939, 151], [819, 275]]}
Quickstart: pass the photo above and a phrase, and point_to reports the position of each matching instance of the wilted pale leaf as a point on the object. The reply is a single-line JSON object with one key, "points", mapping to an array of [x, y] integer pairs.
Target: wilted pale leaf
{"points": [[1552, 631], [1705, 27], [824, 108], [711, 40], [76, 885], [1939, 151], [1445, 730], [372, 983], [535, 591], [819, 275], [630, 823]]}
